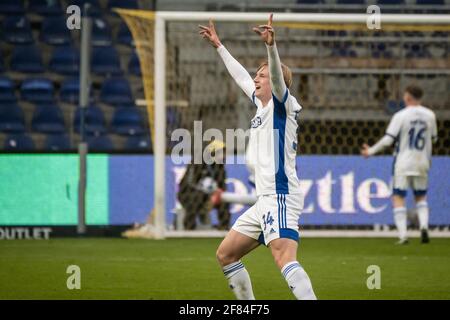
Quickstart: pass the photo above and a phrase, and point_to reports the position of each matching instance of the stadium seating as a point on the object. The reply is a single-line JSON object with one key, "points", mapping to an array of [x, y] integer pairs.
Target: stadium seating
{"points": [[37, 90], [430, 2], [351, 2], [45, 7], [70, 91], [65, 60], [100, 143], [7, 88], [27, 59], [48, 118], [17, 30], [116, 91], [139, 143], [12, 118], [19, 142], [390, 2], [57, 142], [134, 65], [94, 121], [54, 31], [124, 35], [101, 34], [2, 64], [129, 4], [9, 7], [105, 60], [128, 121]]}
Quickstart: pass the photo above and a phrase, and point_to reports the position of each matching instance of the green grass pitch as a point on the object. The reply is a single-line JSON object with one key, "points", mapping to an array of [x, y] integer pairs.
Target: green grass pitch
{"points": [[186, 269]]}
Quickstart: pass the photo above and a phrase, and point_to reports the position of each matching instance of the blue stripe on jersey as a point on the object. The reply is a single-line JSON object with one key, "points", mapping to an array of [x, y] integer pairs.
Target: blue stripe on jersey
{"points": [[284, 215], [253, 98], [279, 123]]}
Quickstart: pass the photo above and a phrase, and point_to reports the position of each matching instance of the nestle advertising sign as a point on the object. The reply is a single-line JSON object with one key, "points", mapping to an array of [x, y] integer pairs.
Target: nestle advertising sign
{"points": [[339, 190]]}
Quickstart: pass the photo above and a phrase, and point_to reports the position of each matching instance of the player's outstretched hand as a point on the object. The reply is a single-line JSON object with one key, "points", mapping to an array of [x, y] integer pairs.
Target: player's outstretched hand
{"points": [[209, 33], [266, 32], [365, 150]]}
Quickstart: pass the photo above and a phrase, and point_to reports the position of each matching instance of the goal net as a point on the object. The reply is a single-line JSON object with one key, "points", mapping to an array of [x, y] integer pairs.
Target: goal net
{"points": [[348, 75]]}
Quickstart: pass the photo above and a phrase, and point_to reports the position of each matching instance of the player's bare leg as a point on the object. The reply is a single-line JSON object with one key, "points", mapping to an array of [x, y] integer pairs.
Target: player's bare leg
{"points": [[400, 218], [284, 252], [423, 213], [230, 251]]}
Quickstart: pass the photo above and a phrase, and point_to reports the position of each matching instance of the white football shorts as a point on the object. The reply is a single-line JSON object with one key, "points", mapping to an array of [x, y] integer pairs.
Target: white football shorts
{"points": [[418, 184], [272, 217]]}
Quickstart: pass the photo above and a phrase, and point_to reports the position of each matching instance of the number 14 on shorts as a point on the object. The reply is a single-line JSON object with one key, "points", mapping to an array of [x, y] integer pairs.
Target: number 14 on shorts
{"points": [[267, 220]]}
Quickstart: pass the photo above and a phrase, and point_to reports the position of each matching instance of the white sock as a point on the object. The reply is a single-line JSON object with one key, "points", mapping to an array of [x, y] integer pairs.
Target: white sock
{"points": [[239, 281], [422, 212], [298, 281], [400, 219]]}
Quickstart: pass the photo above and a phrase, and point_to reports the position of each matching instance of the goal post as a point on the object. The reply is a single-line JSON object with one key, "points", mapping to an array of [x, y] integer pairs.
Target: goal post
{"points": [[150, 33]]}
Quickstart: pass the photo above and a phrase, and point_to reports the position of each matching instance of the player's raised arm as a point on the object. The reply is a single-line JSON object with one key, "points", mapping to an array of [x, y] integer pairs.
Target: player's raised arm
{"points": [[391, 135], [236, 70], [267, 34]]}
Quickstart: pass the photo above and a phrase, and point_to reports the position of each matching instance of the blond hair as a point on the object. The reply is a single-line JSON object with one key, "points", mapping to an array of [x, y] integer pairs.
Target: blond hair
{"points": [[287, 73]]}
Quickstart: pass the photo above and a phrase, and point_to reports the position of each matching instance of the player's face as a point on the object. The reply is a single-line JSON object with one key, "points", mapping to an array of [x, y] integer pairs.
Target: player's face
{"points": [[408, 99], [262, 83]]}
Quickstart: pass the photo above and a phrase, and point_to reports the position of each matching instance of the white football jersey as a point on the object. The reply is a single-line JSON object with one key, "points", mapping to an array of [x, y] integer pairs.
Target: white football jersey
{"points": [[414, 130], [272, 148]]}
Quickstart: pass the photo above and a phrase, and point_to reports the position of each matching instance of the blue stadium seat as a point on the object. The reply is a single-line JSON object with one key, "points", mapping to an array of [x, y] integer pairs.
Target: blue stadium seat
{"points": [[391, 2], [48, 118], [129, 4], [2, 64], [124, 35], [45, 7], [128, 121], [94, 11], [65, 60], [380, 50], [100, 143], [351, 2], [54, 31], [105, 60], [7, 88], [101, 32], [134, 65], [416, 50], [37, 90], [309, 1], [19, 142], [27, 59], [80, 3], [57, 142], [11, 118], [17, 30], [116, 91], [94, 121], [138, 143], [431, 2], [9, 7], [70, 90]]}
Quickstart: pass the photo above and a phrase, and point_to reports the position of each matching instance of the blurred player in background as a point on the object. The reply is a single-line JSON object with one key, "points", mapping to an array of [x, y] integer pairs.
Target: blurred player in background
{"points": [[198, 186], [413, 130], [273, 220]]}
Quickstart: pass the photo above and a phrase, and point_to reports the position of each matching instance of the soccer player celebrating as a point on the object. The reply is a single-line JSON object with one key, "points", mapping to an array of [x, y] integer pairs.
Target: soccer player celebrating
{"points": [[273, 220], [413, 130]]}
